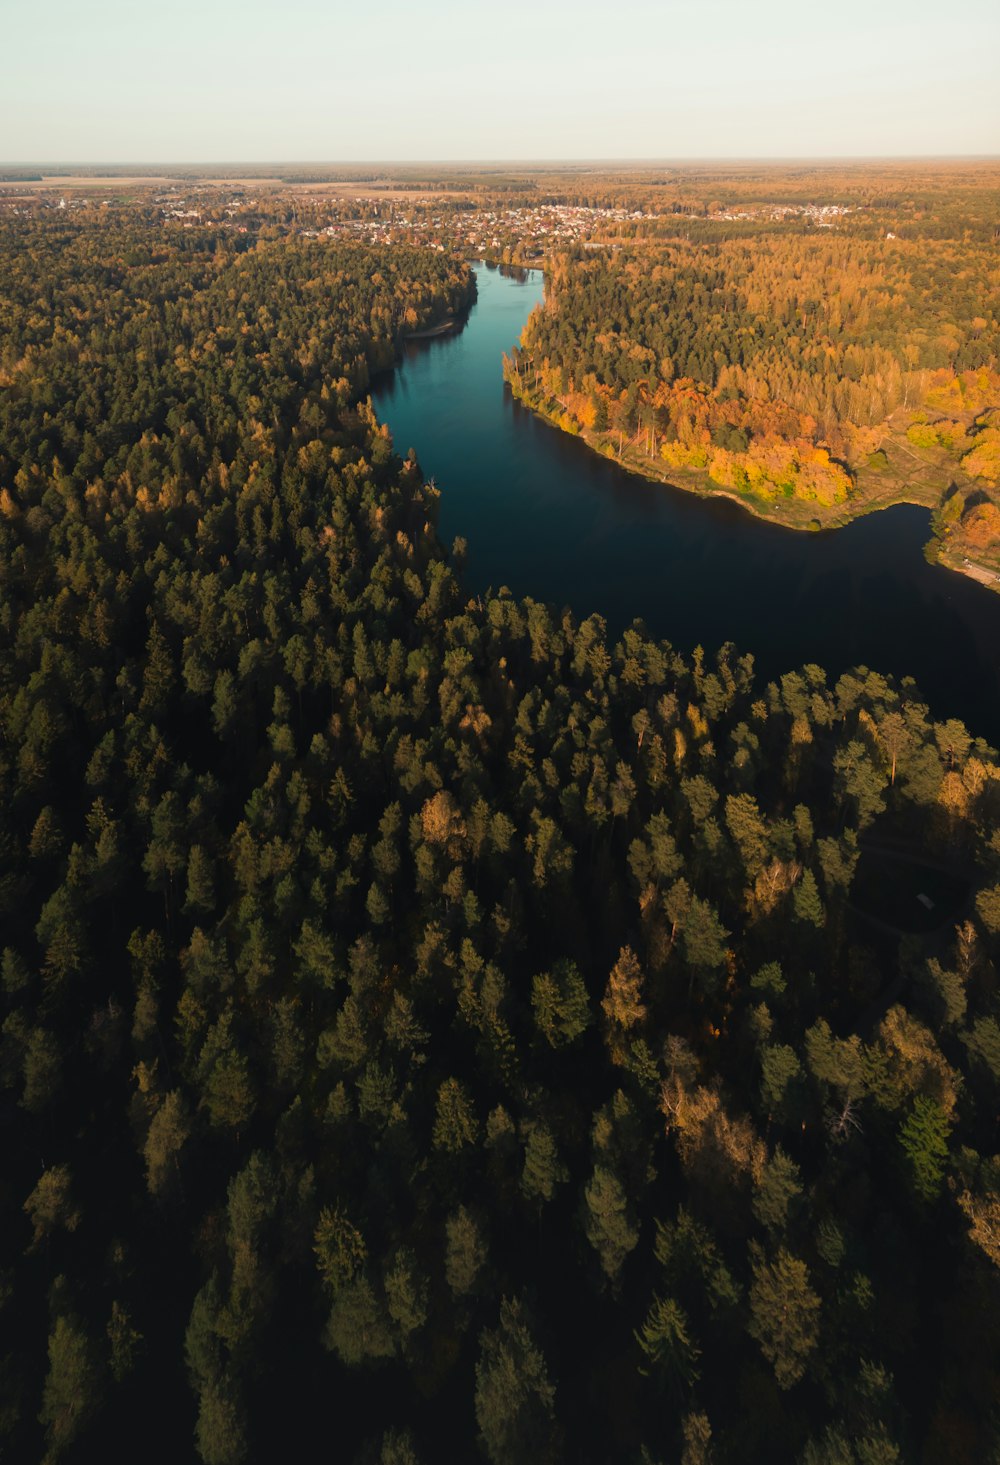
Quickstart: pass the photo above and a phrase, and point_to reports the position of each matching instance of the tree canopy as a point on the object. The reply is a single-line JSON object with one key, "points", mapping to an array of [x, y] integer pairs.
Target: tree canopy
{"points": [[430, 1025]]}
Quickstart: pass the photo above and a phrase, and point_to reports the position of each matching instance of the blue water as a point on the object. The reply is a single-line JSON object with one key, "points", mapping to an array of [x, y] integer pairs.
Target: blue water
{"points": [[549, 518]]}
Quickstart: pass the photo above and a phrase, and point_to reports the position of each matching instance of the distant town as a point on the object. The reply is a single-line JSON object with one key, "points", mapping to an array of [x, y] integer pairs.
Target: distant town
{"points": [[445, 219]]}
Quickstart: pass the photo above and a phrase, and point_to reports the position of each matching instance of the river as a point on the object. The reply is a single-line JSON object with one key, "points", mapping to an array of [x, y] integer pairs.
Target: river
{"points": [[549, 518]]}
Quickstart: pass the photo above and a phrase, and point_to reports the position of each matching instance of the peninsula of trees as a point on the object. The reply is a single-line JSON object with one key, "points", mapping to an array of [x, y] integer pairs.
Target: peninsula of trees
{"points": [[811, 375], [430, 1029]]}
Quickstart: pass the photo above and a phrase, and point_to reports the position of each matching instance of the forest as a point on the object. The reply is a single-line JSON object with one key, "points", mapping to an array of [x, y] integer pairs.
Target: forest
{"points": [[812, 375], [431, 1028]]}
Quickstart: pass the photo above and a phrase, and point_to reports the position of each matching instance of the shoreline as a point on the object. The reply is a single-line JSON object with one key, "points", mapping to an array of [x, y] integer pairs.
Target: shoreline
{"points": [[441, 329], [694, 481], [979, 573]]}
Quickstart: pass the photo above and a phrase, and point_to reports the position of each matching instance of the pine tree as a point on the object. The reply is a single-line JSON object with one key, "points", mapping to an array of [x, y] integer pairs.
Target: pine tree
{"points": [[514, 1398], [924, 1141], [806, 900], [72, 1387], [609, 1229], [784, 1314], [455, 1124]]}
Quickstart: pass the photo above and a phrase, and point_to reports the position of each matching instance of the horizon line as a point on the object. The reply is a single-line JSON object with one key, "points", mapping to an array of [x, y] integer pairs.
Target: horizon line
{"points": [[539, 161]]}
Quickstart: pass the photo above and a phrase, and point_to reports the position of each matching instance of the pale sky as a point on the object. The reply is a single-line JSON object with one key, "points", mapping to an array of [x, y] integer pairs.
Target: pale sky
{"points": [[324, 80]]}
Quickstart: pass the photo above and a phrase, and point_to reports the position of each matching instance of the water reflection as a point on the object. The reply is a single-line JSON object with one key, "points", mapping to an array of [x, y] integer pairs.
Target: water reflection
{"points": [[549, 518]]}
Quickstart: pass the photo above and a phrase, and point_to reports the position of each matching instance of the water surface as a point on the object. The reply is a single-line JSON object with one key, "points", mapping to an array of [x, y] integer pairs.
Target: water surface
{"points": [[546, 516]]}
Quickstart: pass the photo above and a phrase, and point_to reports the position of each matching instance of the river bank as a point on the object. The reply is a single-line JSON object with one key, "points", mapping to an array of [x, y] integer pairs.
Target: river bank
{"points": [[443, 328], [899, 485], [553, 519]]}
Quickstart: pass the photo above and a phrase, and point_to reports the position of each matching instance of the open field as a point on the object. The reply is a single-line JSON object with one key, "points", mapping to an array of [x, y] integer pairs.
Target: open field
{"points": [[80, 180], [387, 189]]}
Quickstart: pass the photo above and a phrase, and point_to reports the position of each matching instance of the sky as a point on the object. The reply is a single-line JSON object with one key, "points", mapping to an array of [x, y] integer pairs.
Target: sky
{"points": [[416, 80]]}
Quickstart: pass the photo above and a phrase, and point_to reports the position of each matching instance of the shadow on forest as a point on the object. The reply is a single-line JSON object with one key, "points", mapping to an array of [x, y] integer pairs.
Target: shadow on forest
{"points": [[905, 893]]}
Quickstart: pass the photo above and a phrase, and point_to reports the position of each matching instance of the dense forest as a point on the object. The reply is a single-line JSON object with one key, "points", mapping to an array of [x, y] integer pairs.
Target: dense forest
{"points": [[814, 374], [432, 1031]]}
